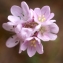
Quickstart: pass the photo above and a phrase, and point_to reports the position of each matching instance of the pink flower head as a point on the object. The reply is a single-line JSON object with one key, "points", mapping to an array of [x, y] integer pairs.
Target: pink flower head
{"points": [[43, 15], [48, 32], [32, 44], [30, 27], [13, 41]]}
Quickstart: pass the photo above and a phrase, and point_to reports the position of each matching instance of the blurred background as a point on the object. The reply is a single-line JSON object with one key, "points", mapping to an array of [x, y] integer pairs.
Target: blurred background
{"points": [[53, 50]]}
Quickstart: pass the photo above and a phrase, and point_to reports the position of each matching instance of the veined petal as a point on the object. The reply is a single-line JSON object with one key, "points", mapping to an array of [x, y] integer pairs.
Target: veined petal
{"points": [[13, 19], [31, 51], [9, 26], [54, 28], [48, 22], [38, 40], [31, 12], [37, 14], [39, 48], [52, 36], [24, 46], [18, 28], [25, 8], [16, 10], [37, 11], [43, 37], [45, 10], [12, 41], [29, 32], [50, 16]]}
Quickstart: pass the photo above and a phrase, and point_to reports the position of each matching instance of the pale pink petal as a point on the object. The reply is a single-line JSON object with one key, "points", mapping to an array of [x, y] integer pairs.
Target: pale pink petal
{"points": [[31, 13], [48, 22], [30, 16], [45, 10], [38, 40], [50, 16], [12, 41], [37, 13], [8, 26], [25, 8], [13, 19], [16, 10], [52, 36], [39, 48], [52, 21], [24, 46], [31, 51], [54, 28], [18, 28], [43, 37], [29, 32]]}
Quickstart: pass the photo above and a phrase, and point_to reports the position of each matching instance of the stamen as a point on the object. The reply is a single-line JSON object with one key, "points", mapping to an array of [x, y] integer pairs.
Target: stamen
{"points": [[42, 30], [33, 43], [41, 18], [30, 25]]}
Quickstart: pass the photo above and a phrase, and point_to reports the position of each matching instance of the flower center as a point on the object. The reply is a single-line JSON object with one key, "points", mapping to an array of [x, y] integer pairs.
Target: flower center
{"points": [[41, 18], [33, 42], [43, 29], [30, 25]]}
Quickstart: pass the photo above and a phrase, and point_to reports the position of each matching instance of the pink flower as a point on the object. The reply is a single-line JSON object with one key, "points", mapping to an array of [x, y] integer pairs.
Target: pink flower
{"points": [[21, 35], [43, 15], [9, 26], [32, 44], [20, 14], [48, 32], [13, 41]]}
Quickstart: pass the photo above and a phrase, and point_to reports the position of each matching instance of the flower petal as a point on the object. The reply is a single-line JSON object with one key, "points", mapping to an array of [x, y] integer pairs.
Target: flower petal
{"points": [[39, 48], [29, 32], [18, 28], [8, 26], [37, 13], [52, 36], [13, 19], [24, 46], [51, 16], [16, 10], [25, 8], [31, 51], [12, 41], [54, 28], [43, 37], [45, 10], [31, 12]]}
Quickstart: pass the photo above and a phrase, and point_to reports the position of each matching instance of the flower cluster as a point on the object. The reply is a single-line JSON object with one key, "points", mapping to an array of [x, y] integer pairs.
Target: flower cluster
{"points": [[30, 27]]}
